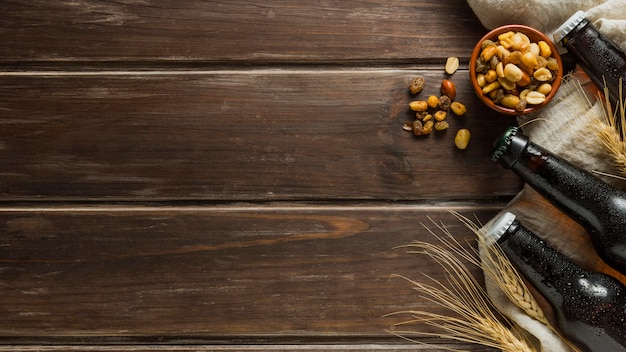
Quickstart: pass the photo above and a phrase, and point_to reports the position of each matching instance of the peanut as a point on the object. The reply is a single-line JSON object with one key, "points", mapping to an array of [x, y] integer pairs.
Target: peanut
{"points": [[519, 41], [452, 64], [500, 69], [544, 88], [462, 138], [480, 79], [534, 48], [513, 73], [542, 74], [533, 97], [522, 94], [506, 84], [529, 60]]}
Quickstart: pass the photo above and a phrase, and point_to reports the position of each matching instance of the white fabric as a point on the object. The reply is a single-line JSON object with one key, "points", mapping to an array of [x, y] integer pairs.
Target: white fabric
{"points": [[547, 15], [562, 129]]}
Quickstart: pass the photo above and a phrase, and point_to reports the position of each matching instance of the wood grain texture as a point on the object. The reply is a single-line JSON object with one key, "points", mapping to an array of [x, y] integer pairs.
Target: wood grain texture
{"points": [[228, 175], [251, 135], [235, 31], [213, 272], [253, 348], [436, 346]]}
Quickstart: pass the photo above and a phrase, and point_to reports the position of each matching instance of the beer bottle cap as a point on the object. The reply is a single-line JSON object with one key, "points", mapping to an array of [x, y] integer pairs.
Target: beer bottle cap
{"points": [[498, 228], [569, 25], [508, 148]]}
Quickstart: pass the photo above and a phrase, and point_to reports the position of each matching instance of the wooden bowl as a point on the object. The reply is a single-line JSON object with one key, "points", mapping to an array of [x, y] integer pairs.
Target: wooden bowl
{"points": [[534, 36]]}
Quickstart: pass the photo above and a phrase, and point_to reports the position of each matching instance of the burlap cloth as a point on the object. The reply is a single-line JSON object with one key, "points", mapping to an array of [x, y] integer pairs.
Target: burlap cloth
{"points": [[562, 127]]}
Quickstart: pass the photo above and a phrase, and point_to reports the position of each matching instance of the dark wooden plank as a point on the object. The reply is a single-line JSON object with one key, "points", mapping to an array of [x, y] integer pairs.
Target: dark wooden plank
{"points": [[250, 348], [239, 135], [235, 31], [214, 273]]}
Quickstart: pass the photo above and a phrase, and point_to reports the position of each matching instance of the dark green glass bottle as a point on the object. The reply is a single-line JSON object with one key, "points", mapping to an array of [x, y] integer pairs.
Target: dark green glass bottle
{"points": [[590, 307]]}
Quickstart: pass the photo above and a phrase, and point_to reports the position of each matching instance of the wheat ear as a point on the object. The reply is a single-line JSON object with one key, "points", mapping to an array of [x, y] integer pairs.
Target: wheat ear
{"points": [[612, 130], [499, 269], [473, 317]]}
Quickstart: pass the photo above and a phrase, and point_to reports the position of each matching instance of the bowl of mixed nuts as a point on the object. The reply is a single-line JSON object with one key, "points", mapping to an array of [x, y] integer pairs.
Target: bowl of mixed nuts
{"points": [[515, 69]]}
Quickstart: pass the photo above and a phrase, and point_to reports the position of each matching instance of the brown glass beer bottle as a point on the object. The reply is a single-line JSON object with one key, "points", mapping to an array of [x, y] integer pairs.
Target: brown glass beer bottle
{"points": [[598, 207], [590, 307], [600, 57]]}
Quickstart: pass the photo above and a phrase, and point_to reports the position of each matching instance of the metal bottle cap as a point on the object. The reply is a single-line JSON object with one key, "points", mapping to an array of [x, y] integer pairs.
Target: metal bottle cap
{"points": [[498, 228], [508, 148], [569, 25]]}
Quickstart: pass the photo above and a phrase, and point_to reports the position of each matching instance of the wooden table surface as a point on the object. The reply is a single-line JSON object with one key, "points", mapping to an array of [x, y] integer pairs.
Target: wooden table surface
{"points": [[228, 175]]}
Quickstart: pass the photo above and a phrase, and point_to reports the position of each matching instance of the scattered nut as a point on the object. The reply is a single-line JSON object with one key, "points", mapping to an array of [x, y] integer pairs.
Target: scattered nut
{"points": [[458, 108], [444, 102], [441, 125], [430, 114], [433, 101], [448, 88], [428, 127], [417, 84], [418, 105], [420, 115], [418, 128], [462, 138], [441, 115], [452, 64]]}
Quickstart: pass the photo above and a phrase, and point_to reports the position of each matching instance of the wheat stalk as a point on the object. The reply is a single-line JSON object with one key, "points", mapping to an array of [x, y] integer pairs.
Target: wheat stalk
{"points": [[612, 130], [500, 270], [497, 266], [473, 317]]}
